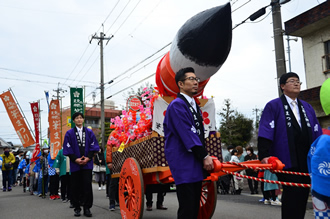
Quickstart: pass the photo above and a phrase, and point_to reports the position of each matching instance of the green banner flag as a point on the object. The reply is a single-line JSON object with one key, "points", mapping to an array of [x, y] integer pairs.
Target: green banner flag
{"points": [[77, 102]]}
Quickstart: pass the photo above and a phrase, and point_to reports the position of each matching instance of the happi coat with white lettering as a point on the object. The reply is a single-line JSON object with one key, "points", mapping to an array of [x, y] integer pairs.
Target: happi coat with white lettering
{"points": [[71, 146], [276, 122], [180, 136]]}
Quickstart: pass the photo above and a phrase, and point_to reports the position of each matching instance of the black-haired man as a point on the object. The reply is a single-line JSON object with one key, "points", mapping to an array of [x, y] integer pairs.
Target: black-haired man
{"points": [[184, 144], [287, 128], [80, 144]]}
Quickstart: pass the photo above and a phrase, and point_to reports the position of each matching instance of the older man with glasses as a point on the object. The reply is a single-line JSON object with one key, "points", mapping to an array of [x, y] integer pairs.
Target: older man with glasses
{"points": [[288, 126]]}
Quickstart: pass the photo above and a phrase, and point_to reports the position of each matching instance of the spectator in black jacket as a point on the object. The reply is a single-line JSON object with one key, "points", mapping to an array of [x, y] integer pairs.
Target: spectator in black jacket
{"points": [[249, 172], [99, 163]]}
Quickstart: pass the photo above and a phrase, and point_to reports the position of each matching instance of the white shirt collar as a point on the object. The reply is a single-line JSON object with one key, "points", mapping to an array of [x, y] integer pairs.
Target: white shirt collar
{"points": [[290, 100], [79, 129], [190, 101]]}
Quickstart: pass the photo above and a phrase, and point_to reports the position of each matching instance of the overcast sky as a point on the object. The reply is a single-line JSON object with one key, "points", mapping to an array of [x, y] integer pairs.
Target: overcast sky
{"points": [[45, 45]]}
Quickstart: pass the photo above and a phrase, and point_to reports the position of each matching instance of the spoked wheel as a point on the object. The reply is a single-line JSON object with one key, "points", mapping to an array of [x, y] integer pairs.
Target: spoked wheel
{"points": [[131, 190], [208, 200]]}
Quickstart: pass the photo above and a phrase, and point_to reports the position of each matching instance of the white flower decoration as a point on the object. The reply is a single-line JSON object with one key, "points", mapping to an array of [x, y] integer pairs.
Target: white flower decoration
{"points": [[324, 168], [193, 129]]}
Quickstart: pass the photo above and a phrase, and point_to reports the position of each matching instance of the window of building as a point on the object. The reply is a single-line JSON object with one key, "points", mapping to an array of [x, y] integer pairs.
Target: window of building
{"points": [[326, 58]]}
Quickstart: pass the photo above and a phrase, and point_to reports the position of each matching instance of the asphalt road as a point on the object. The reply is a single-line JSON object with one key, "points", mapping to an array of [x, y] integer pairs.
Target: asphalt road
{"points": [[16, 204]]}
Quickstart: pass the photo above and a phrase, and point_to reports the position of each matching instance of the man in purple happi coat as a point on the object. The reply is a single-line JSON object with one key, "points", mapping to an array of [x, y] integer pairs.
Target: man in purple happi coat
{"points": [[185, 146], [80, 144], [287, 128]]}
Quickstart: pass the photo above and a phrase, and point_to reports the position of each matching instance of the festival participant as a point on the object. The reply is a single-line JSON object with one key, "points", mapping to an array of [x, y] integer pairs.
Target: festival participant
{"points": [[54, 179], [7, 169], [99, 162], [224, 181], [288, 126], [161, 192], [238, 181], [21, 168], [80, 144], [318, 166], [42, 166], [184, 144], [62, 166], [114, 182], [250, 172]]}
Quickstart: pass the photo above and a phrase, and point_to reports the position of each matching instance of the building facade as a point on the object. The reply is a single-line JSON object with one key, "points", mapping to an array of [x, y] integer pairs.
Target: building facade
{"points": [[313, 26]]}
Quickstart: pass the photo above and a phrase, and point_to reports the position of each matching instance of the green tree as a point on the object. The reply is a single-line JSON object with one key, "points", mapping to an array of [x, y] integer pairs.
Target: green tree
{"points": [[235, 128], [226, 124]]}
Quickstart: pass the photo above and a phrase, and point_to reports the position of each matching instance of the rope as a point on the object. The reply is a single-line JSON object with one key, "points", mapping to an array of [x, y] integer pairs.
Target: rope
{"points": [[289, 172], [269, 181], [268, 168]]}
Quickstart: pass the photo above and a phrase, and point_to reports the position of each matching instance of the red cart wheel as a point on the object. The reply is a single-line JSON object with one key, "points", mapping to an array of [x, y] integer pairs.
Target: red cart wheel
{"points": [[208, 200], [131, 190]]}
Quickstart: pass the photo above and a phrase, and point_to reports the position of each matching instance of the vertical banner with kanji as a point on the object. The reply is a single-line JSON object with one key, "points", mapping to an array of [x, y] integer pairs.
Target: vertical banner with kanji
{"points": [[54, 119], [77, 102], [35, 113], [17, 119]]}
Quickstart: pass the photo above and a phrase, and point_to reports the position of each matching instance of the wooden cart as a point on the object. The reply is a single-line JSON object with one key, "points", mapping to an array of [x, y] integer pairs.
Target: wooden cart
{"points": [[142, 163]]}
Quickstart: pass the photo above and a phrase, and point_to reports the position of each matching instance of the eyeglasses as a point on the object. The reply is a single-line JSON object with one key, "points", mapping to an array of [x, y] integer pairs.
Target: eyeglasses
{"points": [[191, 78], [294, 82]]}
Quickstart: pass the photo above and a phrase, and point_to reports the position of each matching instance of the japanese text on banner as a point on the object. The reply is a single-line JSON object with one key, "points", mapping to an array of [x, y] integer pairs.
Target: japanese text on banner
{"points": [[17, 119], [77, 102], [54, 119]]}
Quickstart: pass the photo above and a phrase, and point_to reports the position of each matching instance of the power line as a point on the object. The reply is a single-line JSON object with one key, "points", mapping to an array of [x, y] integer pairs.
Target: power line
{"points": [[85, 64], [118, 16], [43, 75], [127, 17], [132, 85], [31, 81], [77, 63], [108, 16], [134, 67], [142, 61]]}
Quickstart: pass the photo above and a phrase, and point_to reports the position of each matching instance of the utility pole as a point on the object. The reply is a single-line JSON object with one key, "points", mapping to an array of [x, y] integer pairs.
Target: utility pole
{"points": [[289, 56], [58, 97], [58, 91], [278, 41], [101, 38]]}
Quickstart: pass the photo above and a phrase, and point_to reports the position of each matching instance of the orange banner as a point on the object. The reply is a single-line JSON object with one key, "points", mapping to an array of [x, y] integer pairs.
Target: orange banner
{"points": [[54, 119], [17, 119]]}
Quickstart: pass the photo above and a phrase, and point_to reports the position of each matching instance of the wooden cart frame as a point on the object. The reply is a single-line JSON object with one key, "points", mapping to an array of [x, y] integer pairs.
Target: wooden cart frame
{"points": [[142, 163]]}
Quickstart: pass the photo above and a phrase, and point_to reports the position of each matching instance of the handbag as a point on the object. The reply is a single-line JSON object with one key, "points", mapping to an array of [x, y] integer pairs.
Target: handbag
{"points": [[102, 168], [8, 166], [96, 168]]}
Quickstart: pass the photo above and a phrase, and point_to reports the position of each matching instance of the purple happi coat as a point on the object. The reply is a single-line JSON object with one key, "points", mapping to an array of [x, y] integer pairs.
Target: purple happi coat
{"points": [[273, 127], [180, 137], [70, 146]]}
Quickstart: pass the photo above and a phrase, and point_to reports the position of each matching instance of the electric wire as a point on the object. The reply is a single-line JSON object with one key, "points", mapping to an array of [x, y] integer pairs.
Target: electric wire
{"points": [[27, 80], [118, 16], [127, 17], [38, 74], [108, 16], [77, 63]]}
